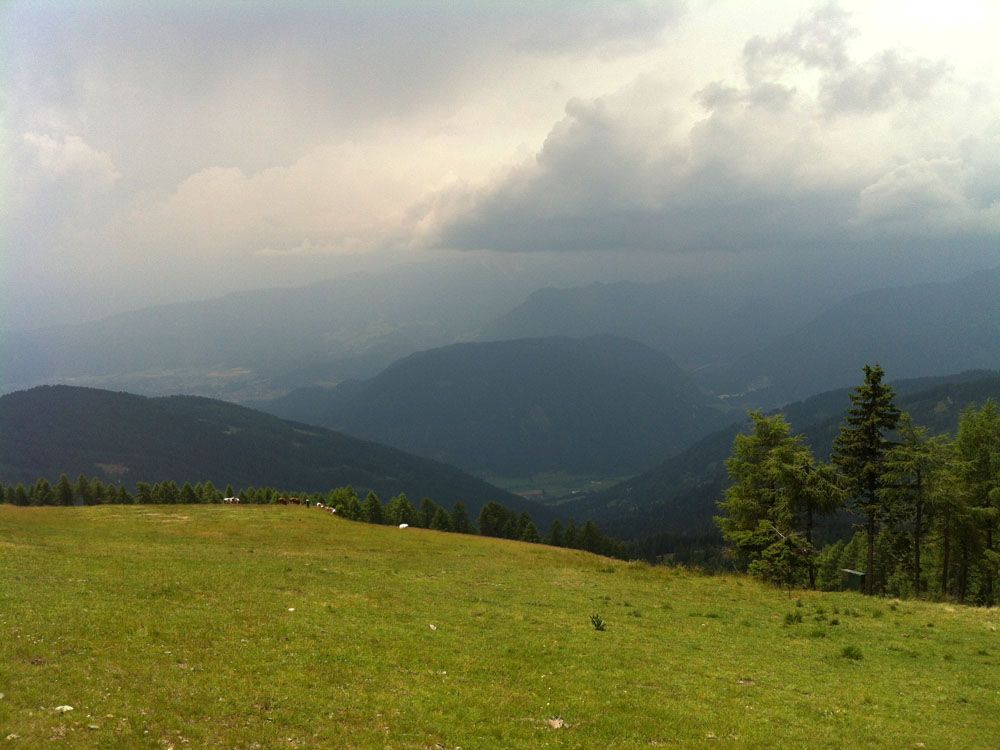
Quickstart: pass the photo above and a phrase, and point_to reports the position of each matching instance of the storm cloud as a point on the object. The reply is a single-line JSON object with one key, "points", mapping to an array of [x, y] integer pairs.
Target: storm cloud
{"points": [[163, 151]]}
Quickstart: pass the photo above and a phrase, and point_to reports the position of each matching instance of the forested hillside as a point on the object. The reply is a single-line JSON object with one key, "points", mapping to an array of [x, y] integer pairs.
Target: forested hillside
{"points": [[53, 430], [600, 404], [679, 496]]}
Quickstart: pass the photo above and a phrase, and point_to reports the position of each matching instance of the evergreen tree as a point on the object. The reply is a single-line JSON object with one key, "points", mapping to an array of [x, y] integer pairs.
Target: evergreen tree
{"points": [[371, 511], [572, 535], [427, 508], [64, 491], [460, 522], [230, 492], [441, 520], [977, 447], [828, 567], [777, 492], [494, 519], [81, 489], [124, 497], [21, 495], [400, 511], [529, 533], [555, 535], [590, 538], [42, 493], [912, 478], [860, 452], [143, 493], [208, 493], [95, 492], [352, 506]]}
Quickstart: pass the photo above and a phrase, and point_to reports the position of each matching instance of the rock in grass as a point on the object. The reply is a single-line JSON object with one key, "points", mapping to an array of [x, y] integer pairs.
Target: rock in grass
{"points": [[63, 709]]}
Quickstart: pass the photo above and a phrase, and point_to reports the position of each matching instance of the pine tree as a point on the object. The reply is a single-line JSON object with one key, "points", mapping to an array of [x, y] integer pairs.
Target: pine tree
{"points": [[143, 493], [371, 511], [42, 493], [460, 522], [81, 489], [400, 511], [95, 492], [441, 521], [555, 535], [529, 533], [860, 452], [64, 491], [572, 536], [427, 508]]}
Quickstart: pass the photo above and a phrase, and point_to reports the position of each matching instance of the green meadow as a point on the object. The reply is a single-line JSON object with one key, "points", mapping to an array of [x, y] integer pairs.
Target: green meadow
{"points": [[276, 627]]}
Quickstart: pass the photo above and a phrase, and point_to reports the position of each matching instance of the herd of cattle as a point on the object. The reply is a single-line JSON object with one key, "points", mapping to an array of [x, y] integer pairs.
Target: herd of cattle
{"points": [[283, 501]]}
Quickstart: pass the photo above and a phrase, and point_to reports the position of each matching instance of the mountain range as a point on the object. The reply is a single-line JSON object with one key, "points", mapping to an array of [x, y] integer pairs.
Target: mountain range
{"points": [[597, 405], [121, 437]]}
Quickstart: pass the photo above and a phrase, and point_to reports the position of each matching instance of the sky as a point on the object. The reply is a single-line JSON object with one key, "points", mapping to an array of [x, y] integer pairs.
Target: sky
{"points": [[155, 151]]}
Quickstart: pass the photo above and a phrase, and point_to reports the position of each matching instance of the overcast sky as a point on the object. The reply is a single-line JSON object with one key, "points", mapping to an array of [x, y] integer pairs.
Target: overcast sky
{"points": [[161, 150]]}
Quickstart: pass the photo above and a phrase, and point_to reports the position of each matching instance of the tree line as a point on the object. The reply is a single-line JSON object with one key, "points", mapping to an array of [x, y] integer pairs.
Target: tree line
{"points": [[927, 506], [495, 519]]}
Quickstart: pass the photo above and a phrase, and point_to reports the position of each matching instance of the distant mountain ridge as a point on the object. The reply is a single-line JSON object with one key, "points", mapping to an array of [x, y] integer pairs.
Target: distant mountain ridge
{"points": [[252, 344], [50, 430], [685, 318], [914, 331], [601, 404]]}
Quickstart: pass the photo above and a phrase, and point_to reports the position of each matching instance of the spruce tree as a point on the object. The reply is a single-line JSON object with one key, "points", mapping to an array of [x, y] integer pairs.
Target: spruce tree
{"points": [[460, 522], [555, 535], [81, 489], [441, 521], [64, 491], [372, 511], [860, 453], [427, 508], [529, 533]]}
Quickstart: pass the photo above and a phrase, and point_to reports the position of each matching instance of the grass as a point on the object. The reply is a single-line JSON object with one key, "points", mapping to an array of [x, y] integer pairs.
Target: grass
{"points": [[267, 627]]}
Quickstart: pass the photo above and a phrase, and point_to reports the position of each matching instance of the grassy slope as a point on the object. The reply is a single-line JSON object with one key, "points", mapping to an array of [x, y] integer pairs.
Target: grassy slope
{"points": [[166, 626]]}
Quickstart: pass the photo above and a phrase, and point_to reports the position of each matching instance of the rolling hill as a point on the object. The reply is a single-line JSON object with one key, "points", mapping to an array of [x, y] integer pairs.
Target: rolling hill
{"points": [[51, 430], [598, 405]]}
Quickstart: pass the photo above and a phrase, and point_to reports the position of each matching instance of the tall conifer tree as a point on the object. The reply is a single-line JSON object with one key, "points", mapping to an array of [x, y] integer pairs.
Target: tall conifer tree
{"points": [[859, 452]]}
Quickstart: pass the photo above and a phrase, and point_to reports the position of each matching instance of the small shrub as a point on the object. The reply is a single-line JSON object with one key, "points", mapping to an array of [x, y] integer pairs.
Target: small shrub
{"points": [[793, 617], [834, 621], [876, 613], [818, 633], [851, 652], [597, 621], [798, 602]]}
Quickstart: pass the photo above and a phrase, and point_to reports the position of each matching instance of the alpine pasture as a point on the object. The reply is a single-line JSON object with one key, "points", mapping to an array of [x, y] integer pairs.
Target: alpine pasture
{"points": [[277, 627]]}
